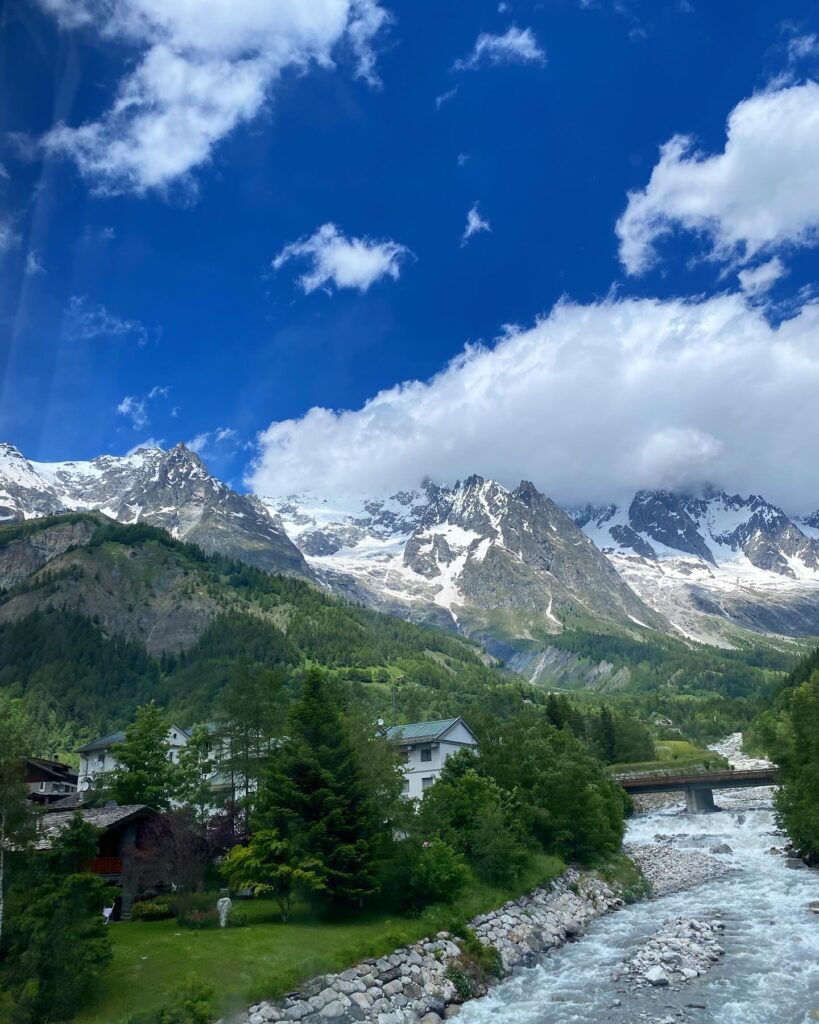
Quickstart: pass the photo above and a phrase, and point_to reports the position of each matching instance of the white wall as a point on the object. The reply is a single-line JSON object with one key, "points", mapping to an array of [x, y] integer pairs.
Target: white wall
{"points": [[419, 775], [95, 762]]}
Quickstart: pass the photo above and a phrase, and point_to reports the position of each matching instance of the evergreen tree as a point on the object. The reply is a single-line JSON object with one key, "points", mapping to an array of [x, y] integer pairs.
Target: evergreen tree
{"points": [[605, 736], [59, 942], [315, 800], [144, 773], [16, 820], [252, 714]]}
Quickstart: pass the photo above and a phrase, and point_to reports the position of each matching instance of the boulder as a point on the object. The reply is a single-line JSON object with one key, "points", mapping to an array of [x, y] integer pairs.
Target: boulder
{"points": [[656, 976]]}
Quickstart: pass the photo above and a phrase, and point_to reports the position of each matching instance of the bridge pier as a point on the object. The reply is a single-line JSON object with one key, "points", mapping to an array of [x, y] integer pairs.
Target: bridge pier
{"points": [[699, 799]]}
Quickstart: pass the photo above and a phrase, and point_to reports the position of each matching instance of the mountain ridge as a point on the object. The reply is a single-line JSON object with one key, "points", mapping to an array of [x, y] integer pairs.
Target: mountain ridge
{"points": [[506, 566]]}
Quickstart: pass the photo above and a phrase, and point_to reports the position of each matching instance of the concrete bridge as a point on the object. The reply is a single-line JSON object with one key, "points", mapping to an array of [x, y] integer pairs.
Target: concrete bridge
{"points": [[698, 786]]}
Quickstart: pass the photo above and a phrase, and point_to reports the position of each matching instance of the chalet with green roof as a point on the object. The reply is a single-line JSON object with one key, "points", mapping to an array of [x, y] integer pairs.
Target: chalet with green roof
{"points": [[425, 746]]}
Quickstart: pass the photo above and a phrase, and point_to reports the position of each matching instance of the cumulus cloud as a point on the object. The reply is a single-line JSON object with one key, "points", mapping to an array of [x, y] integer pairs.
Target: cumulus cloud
{"points": [[343, 262], [760, 279], [85, 321], [134, 409], [205, 66], [515, 46], [758, 194], [474, 223], [591, 403]]}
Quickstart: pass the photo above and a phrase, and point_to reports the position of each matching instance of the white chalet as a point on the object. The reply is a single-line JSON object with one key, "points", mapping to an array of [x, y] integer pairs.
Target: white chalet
{"points": [[96, 756], [425, 746]]}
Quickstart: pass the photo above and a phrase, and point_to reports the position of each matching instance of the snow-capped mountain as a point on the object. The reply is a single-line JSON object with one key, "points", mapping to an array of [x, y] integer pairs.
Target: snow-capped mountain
{"points": [[714, 562], [505, 566], [170, 489]]}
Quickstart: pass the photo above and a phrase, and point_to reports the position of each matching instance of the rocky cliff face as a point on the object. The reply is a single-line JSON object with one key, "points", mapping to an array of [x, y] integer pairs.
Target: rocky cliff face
{"points": [[504, 566], [170, 489], [715, 563]]}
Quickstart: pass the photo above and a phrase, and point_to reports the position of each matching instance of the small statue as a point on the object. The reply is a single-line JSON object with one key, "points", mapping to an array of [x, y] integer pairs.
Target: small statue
{"points": [[224, 906]]}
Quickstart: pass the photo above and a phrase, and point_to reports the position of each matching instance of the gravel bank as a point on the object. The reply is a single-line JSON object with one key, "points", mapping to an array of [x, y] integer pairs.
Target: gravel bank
{"points": [[679, 952], [671, 870]]}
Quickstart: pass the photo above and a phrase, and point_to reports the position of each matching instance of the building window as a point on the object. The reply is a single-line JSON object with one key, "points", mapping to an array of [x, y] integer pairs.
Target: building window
{"points": [[42, 787], [426, 753], [100, 760], [427, 781], [406, 786]]}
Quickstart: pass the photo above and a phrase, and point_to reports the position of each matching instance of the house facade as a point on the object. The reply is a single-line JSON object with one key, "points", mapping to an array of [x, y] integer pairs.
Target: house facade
{"points": [[48, 780], [425, 746], [97, 757], [122, 832]]}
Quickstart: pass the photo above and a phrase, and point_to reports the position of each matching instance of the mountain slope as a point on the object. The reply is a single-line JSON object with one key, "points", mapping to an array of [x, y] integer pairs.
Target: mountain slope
{"points": [[507, 566], [109, 616], [170, 489], [716, 565]]}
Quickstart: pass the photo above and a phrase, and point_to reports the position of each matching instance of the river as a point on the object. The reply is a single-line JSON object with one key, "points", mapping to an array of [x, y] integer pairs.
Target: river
{"points": [[770, 971]]}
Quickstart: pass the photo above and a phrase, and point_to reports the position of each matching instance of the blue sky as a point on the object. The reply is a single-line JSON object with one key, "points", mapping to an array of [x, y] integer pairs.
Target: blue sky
{"points": [[156, 165]]}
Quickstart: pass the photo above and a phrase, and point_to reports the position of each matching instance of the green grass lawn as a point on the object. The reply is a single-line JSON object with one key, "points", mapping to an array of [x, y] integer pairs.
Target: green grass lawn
{"points": [[268, 958], [672, 754]]}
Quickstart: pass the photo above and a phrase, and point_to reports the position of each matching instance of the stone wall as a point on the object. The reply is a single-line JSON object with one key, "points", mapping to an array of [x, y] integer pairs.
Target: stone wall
{"points": [[426, 982]]}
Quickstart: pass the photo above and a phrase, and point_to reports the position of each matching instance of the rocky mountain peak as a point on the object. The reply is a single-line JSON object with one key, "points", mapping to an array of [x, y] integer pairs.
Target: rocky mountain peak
{"points": [[170, 489]]}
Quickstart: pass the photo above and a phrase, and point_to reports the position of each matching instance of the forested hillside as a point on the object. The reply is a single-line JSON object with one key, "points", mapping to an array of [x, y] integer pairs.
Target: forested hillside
{"points": [[788, 732], [80, 635]]}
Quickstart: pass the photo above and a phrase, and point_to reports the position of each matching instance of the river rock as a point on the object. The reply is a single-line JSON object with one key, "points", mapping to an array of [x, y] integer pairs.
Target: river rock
{"points": [[670, 870], [411, 984], [656, 976], [680, 951]]}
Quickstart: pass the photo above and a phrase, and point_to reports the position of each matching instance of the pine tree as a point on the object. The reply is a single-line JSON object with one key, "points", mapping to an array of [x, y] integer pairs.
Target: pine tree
{"points": [[605, 736], [316, 801], [252, 715]]}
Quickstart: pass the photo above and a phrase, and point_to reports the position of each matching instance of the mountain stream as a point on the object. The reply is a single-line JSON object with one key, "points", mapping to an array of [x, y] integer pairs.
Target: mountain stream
{"points": [[769, 973]]}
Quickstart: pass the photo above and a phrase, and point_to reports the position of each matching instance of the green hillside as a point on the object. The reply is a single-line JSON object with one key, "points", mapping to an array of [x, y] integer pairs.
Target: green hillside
{"points": [[129, 614]]}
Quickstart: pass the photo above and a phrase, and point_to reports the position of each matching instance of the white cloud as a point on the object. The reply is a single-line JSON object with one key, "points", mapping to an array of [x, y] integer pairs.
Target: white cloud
{"points": [[84, 321], [343, 262], [515, 46], [801, 47], [760, 279], [8, 237], [759, 194], [474, 223], [366, 21], [222, 440], [205, 66], [33, 264], [134, 409], [591, 403], [445, 97], [149, 442]]}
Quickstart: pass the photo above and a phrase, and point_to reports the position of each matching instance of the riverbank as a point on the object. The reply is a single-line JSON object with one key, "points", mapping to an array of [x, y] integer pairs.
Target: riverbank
{"points": [[428, 981], [757, 911]]}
